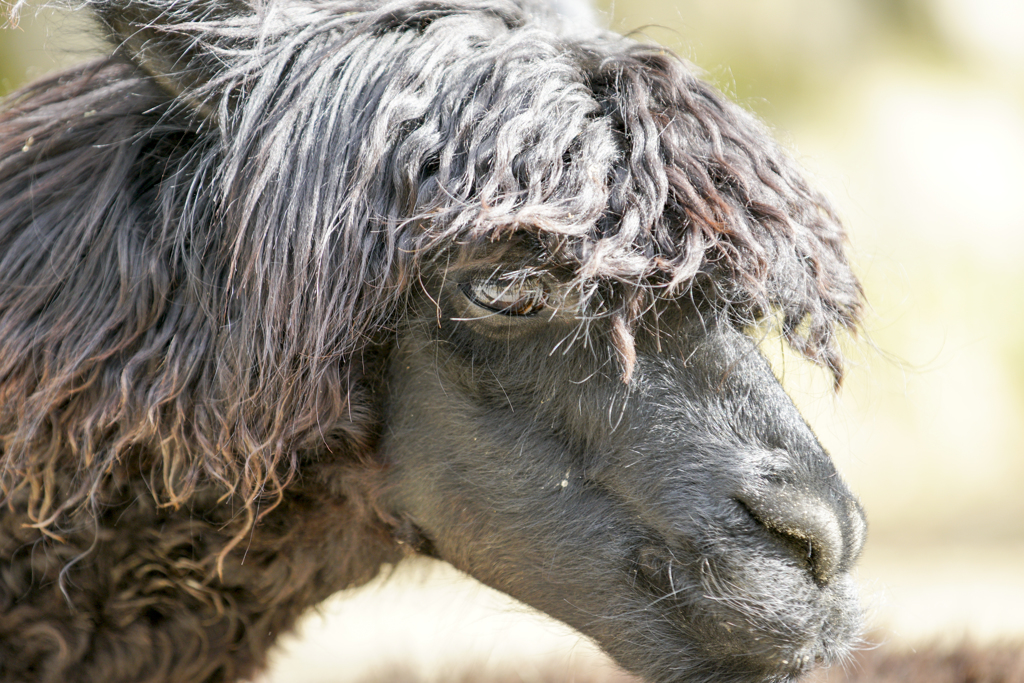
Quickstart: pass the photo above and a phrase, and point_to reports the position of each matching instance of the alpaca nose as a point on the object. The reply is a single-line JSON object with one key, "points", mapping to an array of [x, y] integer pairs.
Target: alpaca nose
{"points": [[826, 532]]}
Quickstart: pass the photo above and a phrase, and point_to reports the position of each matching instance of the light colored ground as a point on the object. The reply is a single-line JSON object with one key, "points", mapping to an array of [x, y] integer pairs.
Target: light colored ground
{"points": [[945, 593], [432, 619], [427, 617]]}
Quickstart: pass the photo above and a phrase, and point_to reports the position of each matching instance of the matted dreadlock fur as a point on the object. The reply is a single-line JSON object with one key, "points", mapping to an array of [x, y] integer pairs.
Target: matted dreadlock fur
{"points": [[645, 177]]}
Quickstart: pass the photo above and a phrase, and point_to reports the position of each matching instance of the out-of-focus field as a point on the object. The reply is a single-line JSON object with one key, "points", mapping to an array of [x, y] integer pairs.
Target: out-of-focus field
{"points": [[910, 113], [429, 619]]}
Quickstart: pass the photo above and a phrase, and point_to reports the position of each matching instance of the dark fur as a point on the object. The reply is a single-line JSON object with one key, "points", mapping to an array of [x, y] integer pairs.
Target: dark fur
{"points": [[964, 662], [239, 370]]}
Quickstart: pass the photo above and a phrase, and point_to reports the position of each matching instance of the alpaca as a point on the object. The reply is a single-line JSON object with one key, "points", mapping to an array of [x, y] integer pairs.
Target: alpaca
{"points": [[293, 289]]}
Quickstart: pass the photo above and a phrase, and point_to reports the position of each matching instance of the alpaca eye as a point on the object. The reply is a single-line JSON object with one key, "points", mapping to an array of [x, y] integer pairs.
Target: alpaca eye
{"points": [[518, 297]]}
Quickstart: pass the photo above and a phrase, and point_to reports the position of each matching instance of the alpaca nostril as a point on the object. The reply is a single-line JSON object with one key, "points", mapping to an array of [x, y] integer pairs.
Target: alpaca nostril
{"points": [[807, 525]]}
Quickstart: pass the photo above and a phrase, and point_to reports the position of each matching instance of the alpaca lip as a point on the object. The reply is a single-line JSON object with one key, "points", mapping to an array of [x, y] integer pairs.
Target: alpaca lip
{"points": [[755, 633], [800, 662]]}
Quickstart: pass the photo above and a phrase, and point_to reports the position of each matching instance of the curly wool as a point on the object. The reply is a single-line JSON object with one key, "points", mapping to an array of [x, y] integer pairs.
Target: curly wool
{"points": [[212, 283]]}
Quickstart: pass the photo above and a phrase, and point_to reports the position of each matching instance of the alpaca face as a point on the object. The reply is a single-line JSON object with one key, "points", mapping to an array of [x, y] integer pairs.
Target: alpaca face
{"points": [[688, 520]]}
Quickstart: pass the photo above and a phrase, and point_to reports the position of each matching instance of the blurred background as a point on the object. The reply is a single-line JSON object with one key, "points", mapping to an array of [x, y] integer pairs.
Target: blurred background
{"points": [[910, 114]]}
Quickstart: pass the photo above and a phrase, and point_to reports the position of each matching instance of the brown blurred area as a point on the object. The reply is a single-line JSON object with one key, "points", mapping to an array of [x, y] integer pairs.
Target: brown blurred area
{"points": [[910, 114]]}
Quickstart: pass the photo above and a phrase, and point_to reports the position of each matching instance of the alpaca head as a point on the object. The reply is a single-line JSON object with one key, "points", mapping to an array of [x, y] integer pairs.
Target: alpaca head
{"points": [[686, 519], [507, 266]]}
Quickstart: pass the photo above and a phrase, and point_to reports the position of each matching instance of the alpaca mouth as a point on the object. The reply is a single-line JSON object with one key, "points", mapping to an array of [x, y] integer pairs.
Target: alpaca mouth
{"points": [[772, 623]]}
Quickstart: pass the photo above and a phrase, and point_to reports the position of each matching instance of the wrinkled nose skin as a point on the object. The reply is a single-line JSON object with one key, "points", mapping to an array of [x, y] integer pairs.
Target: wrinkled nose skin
{"points": [[690, 523]]}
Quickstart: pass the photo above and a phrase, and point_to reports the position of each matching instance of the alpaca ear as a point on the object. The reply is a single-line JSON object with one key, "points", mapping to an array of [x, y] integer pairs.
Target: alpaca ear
{"points": [[184, 45]]}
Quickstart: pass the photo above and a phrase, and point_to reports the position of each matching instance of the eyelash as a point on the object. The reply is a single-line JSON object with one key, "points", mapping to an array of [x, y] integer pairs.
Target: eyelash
{"points": [[521, 297]]}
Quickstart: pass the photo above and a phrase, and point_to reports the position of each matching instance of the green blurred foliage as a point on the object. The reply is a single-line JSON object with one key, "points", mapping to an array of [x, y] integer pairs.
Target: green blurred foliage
{"points": [[35, 41], [777, 57]]}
